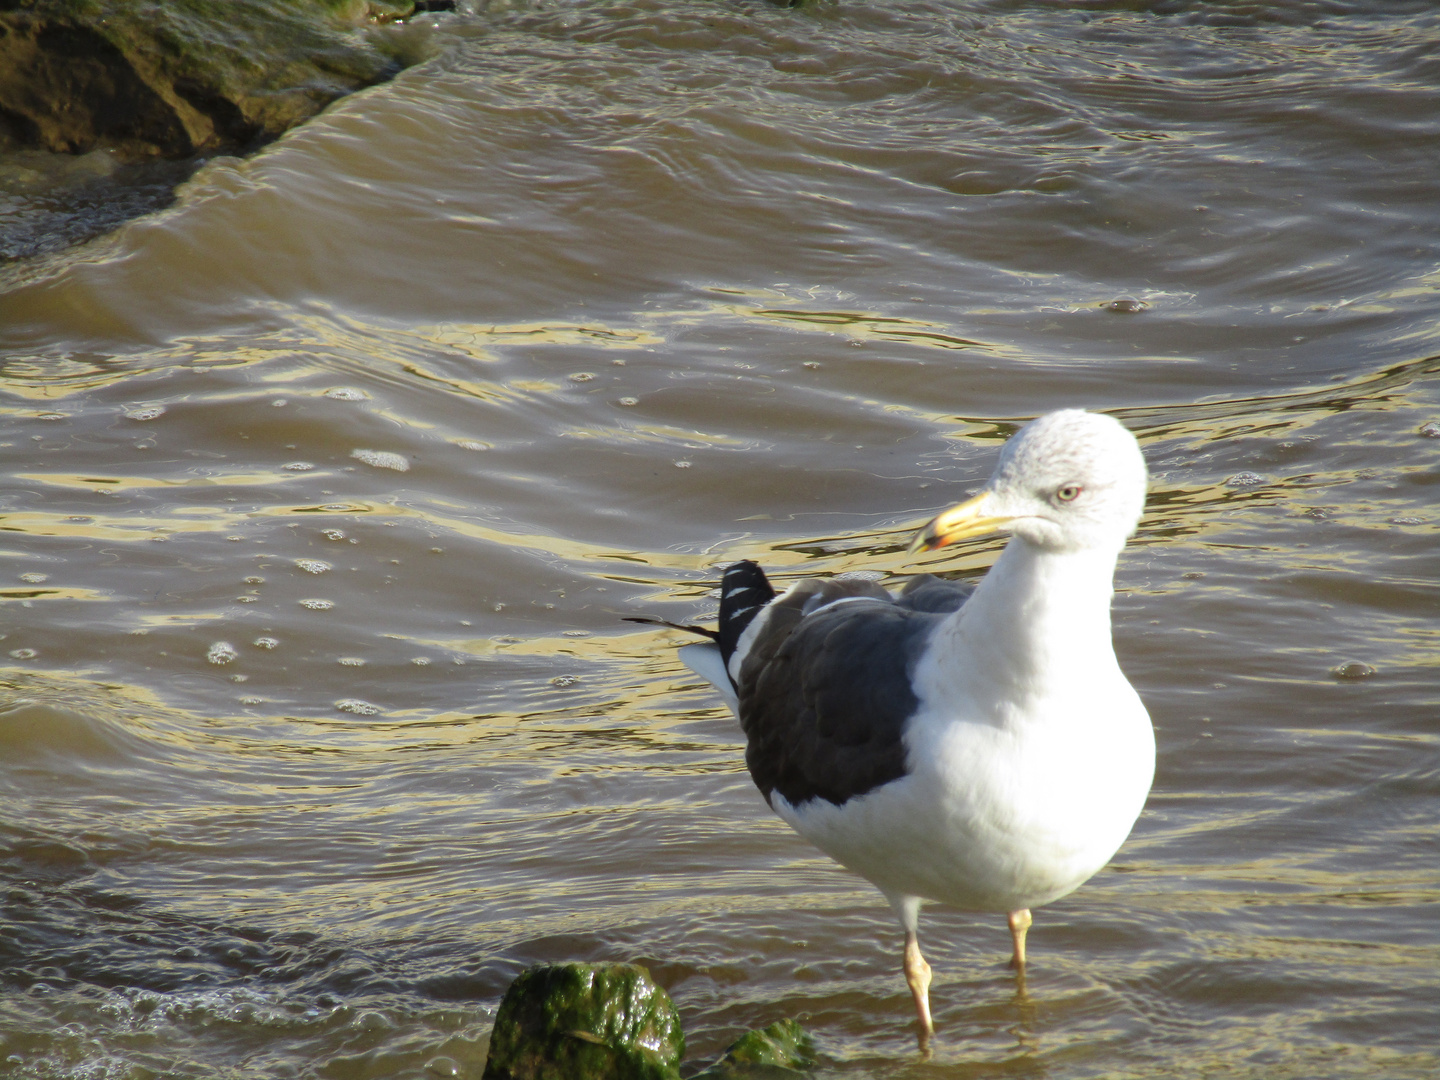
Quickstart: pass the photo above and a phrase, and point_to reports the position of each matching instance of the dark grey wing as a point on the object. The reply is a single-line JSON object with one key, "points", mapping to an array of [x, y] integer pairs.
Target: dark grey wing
{"points": [[926, 592], [824, 696]]}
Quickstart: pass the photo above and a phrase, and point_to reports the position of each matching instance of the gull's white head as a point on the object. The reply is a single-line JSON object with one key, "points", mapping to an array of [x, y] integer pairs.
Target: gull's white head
{"points": [[1068, 481]]}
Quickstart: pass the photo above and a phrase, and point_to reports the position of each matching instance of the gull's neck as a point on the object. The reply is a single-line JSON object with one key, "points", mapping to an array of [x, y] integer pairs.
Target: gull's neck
{"points": [[1037, 626]]}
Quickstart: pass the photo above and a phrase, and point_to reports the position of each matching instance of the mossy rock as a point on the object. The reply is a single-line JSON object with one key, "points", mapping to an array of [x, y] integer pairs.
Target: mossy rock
{"points": [[782, 1049], [175, 78], [585, 1022]]}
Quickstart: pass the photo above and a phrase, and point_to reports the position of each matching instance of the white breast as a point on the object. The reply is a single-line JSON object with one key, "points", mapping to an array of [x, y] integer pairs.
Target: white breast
{"points": [[1030, 755]]}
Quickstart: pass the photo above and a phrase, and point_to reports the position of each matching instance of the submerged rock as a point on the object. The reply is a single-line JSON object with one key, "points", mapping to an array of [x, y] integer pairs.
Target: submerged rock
{"points": [[780, 1049], [179, 77], [585, 1022]]}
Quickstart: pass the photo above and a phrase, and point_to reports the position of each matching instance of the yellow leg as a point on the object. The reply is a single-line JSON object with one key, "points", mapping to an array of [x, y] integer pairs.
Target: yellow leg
{"points": [[1019, 923], [917, 976]]}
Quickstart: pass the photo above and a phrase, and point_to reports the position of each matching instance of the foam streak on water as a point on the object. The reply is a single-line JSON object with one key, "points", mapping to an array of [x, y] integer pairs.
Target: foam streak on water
{"points": [[327, 489]]}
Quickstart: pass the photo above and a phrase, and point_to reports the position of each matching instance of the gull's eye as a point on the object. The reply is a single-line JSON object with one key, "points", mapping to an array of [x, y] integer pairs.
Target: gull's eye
{"points": [[1068, 493]]}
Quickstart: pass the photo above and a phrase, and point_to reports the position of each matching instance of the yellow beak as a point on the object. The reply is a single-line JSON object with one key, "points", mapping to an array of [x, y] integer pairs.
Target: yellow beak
{"points": [[974, 517]]}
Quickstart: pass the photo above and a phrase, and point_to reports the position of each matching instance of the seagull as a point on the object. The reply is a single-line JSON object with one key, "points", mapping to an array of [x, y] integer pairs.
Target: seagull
{"points": [[977, 747]]}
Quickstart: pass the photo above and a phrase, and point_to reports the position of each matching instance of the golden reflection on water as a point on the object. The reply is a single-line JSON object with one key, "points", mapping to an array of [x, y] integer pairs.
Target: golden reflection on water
{"points": [[1224, 416], [872, 327], [119, 527], [142, 622], [49, 593], [658, 434], [53, 378], [196, 476], [479, 342], [219, 520]]}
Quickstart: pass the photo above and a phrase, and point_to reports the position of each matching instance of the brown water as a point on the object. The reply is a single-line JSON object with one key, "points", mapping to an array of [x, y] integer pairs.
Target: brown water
{"points": [[325, 492]]}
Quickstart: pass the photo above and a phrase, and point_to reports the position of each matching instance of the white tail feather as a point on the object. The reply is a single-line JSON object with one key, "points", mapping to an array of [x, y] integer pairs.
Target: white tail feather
{"points": [[703, 658]]}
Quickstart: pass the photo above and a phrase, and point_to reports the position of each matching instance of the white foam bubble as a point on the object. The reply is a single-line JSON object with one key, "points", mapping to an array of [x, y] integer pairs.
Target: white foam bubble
{"points": [[358, 706], [382, 459], [222, 652], [1244, 479]]}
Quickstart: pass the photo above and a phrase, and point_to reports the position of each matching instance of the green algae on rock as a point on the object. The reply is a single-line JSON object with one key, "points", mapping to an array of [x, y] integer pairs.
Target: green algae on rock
{"points": [[781, 1049], [585, 1022], [175, 78]]}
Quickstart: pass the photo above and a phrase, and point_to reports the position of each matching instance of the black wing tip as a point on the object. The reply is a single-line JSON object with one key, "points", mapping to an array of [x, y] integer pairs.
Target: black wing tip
{"points": [[744, 591], [742, 579]]}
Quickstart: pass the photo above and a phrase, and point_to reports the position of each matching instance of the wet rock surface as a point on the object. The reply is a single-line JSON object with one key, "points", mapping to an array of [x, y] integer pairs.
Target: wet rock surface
{"points": [[585, 1022], [783, 1049], [179, 78]]}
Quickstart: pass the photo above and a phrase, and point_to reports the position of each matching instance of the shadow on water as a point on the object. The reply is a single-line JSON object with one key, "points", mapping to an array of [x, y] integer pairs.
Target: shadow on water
{"points": [[50, 203]]}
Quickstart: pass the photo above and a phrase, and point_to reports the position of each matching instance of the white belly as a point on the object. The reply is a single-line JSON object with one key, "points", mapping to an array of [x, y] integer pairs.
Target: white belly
{"points": [[995, 817]]}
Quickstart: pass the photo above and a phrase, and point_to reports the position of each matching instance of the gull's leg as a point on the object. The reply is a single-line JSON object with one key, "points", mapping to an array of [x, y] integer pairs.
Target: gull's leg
{"points": [[917, 971], [1019, 923], [917, 976]]}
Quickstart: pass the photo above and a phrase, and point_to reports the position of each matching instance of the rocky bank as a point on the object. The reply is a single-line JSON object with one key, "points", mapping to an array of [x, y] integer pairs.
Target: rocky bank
{"points": [[179, 78]]}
